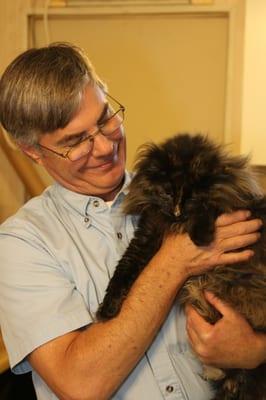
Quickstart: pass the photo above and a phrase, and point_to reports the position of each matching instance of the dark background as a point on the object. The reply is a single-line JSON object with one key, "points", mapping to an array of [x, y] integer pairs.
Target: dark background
{"points": [[16, 387]]}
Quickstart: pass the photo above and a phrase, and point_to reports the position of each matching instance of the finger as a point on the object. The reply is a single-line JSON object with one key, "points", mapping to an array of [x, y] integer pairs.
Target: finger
{"points": [[188, 309], [239, 242], [192, 338], [196, 338], [232, 218], [240, 228], [223, 308], [195, 320], [232, 258]]}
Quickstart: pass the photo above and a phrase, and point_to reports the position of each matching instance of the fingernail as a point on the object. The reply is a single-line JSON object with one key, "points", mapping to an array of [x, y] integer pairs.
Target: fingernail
{"points": [[248, 214]]}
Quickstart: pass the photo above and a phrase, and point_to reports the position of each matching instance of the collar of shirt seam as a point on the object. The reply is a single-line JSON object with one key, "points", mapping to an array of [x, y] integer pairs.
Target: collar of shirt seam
{"points": [[79, 203]]}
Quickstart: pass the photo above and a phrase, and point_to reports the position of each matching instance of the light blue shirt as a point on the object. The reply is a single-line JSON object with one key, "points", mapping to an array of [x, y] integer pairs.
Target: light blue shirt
{"points": [[57, 255]]}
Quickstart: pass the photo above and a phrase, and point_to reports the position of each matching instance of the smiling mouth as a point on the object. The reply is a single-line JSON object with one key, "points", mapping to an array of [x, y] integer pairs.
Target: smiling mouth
{"points": [[104, 166]]}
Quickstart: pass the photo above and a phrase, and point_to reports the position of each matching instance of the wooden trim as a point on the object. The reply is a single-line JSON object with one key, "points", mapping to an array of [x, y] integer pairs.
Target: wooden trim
{"points": [[114, 3], [4, 363], [24, 169], [102, 3], [135, 9], [198, 8]]}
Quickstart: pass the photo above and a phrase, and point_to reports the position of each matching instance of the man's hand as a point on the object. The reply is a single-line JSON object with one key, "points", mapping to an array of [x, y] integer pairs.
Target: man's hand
{"points": [[230, 343], [232, 234]]}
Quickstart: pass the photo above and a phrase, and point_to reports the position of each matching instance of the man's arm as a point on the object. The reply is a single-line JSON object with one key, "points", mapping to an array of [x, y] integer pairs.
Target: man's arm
{"points": [[227, 343], [92, 363]]}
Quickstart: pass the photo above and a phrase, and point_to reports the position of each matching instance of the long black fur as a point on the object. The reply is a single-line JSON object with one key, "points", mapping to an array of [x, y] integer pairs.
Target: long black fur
{"points": [[183, 185]]}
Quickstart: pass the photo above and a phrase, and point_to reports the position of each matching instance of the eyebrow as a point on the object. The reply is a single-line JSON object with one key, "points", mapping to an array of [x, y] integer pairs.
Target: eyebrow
{"points": [[65, 140]]}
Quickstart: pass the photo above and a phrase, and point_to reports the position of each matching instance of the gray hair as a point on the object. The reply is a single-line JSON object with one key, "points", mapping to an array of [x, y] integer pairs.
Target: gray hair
{"points": [[41, 90]]}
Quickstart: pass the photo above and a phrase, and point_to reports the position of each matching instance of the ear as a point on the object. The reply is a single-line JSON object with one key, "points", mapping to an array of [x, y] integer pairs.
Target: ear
{"points": [[32, 152]]}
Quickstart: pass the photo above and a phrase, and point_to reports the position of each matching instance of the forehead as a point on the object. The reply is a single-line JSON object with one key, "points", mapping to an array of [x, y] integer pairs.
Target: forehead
{"points": [[91, 107]]}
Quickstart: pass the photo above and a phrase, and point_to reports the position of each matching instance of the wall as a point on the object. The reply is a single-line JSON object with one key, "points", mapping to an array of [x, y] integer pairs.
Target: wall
{"points": [[169, 70], [253, 135]]}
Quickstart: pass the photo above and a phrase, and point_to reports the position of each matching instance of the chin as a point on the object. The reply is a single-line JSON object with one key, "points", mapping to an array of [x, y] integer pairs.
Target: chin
{"points": [[115, 181], [109, 185], [116, 172]]}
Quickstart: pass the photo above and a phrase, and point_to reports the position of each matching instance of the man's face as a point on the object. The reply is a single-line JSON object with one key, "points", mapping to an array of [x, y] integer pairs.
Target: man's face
{"points": [[100, 172]]}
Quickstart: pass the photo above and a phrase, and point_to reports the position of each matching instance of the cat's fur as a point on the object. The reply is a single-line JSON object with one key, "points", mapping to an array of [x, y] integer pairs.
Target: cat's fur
{"points": [[182, 185]]}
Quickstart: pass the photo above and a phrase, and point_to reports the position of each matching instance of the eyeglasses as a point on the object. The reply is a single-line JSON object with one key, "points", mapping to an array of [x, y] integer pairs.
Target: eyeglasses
{"points": [[108, 128]]}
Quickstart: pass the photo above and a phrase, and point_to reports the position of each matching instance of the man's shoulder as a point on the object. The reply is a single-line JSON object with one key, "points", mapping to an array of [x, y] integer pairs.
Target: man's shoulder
{"points": [[33, 213]]}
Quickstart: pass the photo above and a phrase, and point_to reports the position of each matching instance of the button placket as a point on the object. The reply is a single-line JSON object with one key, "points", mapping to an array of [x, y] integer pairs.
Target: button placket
{"points": [[163, 369]]}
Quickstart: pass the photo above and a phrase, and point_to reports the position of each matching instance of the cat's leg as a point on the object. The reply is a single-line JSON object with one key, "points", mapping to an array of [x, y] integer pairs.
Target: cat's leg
{"points": [[142, 247], [200, 224], [210, 373]]}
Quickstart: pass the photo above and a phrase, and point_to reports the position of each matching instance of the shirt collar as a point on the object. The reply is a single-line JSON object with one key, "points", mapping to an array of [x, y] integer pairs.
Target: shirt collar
{"points": [[79, 202]]}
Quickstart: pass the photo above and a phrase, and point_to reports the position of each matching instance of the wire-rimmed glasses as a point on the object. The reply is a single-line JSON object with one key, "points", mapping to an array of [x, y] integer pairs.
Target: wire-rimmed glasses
{"points": [[108, 128]]}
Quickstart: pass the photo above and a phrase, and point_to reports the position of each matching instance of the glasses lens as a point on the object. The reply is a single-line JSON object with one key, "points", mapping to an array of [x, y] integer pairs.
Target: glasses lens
{"points": [[109, 128], [113, 122], [80, 150]]}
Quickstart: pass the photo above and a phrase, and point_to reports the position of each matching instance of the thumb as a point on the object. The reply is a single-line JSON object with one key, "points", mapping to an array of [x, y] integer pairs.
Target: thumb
{"points": [[217, 303]]}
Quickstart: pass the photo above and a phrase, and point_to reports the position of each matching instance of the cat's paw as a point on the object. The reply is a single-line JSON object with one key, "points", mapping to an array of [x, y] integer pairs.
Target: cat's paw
{"points": [[201, 230], [210, 373], [108, 310]]}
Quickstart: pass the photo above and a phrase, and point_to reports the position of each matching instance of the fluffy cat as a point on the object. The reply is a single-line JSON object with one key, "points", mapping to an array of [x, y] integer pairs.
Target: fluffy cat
{"points": [[183, 185]]}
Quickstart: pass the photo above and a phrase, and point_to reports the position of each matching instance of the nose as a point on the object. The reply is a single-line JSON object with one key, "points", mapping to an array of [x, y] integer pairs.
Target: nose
{"points": [[102, 146]]}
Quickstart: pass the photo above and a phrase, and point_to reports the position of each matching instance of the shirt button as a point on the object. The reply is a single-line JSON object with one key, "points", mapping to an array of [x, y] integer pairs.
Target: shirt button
{"points": [[86, 219], [96, 203], [119, 235], [169, 388]]}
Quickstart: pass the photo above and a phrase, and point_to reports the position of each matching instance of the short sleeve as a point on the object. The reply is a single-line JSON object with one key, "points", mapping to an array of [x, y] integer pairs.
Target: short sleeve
{"points": [[38, 300]]}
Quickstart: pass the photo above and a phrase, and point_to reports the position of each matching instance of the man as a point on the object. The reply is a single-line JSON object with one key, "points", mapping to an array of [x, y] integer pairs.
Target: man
{"points": [[59, 251]]}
